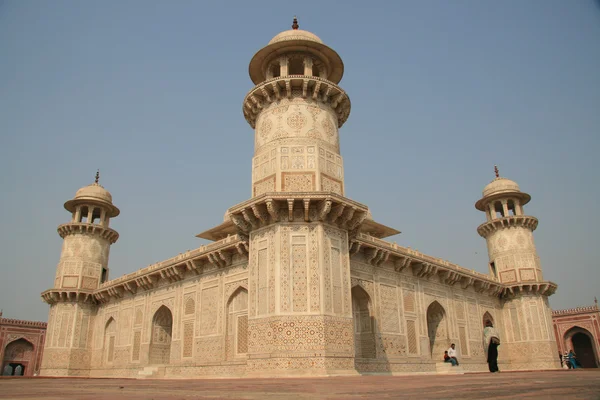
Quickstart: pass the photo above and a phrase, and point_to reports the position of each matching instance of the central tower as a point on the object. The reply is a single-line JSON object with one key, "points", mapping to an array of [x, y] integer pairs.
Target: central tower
{"points": [[296, 109]]}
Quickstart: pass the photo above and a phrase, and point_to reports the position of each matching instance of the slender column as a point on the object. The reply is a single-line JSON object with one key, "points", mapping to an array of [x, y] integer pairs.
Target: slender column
{"points": [[77, 217], [505, 208], [283, 62], [89, 215], [308, 64], [492, 210], [103, 219]]}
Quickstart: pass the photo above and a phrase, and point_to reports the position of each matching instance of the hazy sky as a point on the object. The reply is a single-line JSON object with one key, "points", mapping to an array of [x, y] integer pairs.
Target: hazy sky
{"points": [[151, 93]]}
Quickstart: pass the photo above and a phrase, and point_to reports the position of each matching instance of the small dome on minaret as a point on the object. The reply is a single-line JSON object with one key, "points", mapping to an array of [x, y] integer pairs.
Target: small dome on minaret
{"points": [[94, 194], [501, 187], [292, 40]]}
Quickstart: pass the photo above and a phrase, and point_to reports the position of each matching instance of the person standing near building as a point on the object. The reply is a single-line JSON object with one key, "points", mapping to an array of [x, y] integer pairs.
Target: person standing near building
{"points": [[491, 341]]}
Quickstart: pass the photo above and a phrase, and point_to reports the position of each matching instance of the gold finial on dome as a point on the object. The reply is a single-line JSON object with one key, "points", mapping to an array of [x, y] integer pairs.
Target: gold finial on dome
{"points": [[97, 180], [295, 25], [496, 171]]}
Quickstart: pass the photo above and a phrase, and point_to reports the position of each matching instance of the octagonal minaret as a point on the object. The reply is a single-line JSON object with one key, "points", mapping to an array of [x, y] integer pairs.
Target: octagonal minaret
{"points": [[82, 268], [296, 109], [529, 342], [509, 232]]}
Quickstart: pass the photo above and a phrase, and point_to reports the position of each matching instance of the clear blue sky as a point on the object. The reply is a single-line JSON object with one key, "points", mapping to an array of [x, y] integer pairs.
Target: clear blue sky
{"points": [[151, 93]]}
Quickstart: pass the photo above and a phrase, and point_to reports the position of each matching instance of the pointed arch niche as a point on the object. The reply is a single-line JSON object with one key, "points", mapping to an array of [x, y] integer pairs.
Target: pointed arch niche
{"points": [[364, 335], [487, 317], [160, 342], [437, 330], [236, 332], [110, 333]]}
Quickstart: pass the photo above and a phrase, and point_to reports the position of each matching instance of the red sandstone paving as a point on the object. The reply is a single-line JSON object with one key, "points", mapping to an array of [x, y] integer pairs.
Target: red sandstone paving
{"points": [[583, 384]]}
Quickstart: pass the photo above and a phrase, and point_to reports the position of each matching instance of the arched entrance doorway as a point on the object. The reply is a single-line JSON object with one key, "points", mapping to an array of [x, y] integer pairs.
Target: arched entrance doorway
{"points": [[437, 330], [364, 335], [18, 358], [160, 343], [236, 337], [581, 341]]}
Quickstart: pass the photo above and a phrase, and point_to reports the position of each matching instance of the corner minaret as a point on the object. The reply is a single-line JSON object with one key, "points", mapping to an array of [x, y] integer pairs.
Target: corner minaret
{"points": [[296, 109], [513, 260], [82, 268], [509, 232]]}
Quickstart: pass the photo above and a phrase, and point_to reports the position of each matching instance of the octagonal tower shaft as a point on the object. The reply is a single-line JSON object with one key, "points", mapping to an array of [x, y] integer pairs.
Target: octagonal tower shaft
{"points": [[296, 112], [529, 342], [82, 268]]}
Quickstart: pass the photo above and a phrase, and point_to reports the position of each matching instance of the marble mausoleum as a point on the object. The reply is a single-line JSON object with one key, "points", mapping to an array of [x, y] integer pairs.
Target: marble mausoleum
{"points": [[299, 279]]}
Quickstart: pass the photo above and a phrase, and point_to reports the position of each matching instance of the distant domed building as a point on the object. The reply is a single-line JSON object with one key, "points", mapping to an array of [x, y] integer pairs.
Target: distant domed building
{"points": [[299, 279]]}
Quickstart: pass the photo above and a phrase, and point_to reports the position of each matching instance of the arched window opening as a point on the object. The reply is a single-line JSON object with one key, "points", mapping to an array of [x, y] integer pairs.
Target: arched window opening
{"points": [[236, 339], [296, 66], [104, 277], [96, 213], [83, 215], [190, 306], [160, 342], [315, 70], [499, 209], [437, 330], [275, 70], [511, 208], [110, 334], [364, 327]]}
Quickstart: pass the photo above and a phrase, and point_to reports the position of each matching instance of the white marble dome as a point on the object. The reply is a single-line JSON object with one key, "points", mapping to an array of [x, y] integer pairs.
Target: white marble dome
{"points": [[500, 185], [295, 34]]}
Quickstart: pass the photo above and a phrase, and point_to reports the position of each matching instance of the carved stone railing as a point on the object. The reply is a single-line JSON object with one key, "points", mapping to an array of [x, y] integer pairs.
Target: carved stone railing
{"points": [[53, 296], [576, 310], [72, 228], [218, 254], [272, 207], [378, 251], [545, 288], [281, 87], [19, 322], [489, 227]]}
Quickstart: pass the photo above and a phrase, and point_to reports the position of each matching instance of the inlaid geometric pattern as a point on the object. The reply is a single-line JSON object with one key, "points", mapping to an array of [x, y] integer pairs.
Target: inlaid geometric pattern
{"points": [[464, 347], [137, 339], [409, 301], [188, 338], [242, 334], [412, 337], [299, 286]]}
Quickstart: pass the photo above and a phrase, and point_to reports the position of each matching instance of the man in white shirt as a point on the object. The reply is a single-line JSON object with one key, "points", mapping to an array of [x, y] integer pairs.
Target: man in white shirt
{"points": [[452, 353]]}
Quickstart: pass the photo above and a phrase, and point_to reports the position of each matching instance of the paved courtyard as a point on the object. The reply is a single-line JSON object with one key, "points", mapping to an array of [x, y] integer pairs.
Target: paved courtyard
{"points": [[584, 384]]}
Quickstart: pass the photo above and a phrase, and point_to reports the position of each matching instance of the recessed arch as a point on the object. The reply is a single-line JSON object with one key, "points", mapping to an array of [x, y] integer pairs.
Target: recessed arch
{"points": [[110, 334], [160, 342], [437, 329], [236, 330], [364, 327], [582, 342]]}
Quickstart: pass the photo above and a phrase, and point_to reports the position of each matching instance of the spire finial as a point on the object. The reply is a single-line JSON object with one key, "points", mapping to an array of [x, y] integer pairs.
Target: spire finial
{"points": [[496, 171], [595, 302], [295, 25], [97, 177]]}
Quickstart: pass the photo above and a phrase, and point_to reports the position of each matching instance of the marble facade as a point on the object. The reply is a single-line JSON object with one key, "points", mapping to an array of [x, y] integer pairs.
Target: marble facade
{"points": [[298, 280]]}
